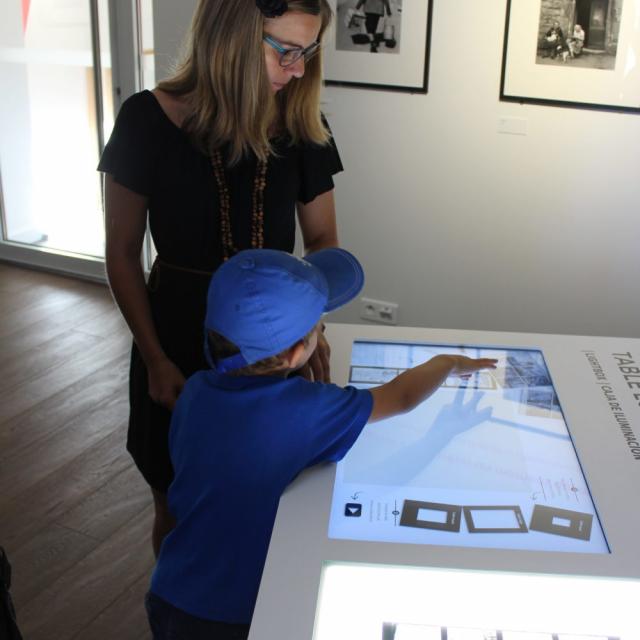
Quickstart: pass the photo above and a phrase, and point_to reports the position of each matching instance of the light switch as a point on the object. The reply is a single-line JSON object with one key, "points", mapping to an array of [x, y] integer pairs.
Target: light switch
{"points": [[514, 126]]}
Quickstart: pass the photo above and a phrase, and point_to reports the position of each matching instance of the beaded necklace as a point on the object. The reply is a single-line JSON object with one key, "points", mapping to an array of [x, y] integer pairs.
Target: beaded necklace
{"points": [[257, 206]]}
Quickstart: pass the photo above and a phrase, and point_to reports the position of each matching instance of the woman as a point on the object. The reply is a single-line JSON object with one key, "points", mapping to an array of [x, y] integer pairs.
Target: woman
{"points": [[554, 42], [219, 157], [373, 11], [576, 41]]}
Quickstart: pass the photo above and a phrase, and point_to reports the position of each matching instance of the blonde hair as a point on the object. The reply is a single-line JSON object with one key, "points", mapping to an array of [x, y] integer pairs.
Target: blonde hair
{"points": [[224, 74], [221, 348]]}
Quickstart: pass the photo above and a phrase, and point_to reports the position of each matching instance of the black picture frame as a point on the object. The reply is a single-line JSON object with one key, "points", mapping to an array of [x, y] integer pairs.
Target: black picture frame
{"points": [[587, 72], [399, 64]]}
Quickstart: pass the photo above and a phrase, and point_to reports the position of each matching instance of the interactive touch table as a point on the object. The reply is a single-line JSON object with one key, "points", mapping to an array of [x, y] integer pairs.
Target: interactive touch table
{"points": [[505, 507]]}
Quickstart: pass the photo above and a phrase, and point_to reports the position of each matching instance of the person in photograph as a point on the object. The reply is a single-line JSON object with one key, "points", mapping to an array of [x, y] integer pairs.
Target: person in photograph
{"points": [[218, 158], [576, 41], [373, 10], [554, 42]]}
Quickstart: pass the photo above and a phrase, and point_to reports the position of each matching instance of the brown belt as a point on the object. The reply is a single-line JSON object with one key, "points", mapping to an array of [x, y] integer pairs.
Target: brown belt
{"points": [[174, 267], [159, 265]]}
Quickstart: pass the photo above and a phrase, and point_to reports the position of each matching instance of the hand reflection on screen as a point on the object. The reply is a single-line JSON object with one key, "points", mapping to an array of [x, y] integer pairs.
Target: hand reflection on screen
{"points": [[453, 419], [458, 417]]}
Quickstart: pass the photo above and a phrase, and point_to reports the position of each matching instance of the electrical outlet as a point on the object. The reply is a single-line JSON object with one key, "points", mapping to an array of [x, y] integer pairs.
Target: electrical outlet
{"points": [[378, 311]]}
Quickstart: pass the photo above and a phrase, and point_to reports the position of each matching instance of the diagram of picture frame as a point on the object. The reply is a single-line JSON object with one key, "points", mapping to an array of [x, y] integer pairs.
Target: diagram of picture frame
{"points": [[496, 519], [573, 53], [407, 631], [381, 44]]}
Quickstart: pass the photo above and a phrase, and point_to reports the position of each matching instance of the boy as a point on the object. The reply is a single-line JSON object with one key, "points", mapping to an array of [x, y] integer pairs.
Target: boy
{"points": [[242, 431]]}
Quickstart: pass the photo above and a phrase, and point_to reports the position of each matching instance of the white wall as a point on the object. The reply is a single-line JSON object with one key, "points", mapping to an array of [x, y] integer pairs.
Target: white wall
{"points": [[464, 227]]}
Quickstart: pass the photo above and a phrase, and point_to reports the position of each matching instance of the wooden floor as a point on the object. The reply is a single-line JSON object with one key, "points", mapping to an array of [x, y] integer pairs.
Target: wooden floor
{"points": [[75, 515]]}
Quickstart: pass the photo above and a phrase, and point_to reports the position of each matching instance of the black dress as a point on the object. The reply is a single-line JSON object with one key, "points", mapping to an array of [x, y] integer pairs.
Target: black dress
{"points": [[149, 155]]}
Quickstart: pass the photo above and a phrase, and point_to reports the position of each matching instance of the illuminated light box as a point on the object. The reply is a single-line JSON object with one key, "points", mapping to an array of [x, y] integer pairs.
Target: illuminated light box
{"points": [[484, 462], [400, 631], [378, 602]]}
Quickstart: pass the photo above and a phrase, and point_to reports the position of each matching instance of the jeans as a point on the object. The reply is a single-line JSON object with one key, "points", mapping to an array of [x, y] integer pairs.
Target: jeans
{"points": [[169, 623]]}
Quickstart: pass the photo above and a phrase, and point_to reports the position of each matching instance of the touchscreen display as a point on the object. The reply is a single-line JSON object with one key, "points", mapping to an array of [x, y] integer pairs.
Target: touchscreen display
{"points": [[483, 462]]}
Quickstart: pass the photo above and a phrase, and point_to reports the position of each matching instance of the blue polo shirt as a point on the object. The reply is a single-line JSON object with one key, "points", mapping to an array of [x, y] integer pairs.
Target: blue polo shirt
{"points": [[235, 444]]}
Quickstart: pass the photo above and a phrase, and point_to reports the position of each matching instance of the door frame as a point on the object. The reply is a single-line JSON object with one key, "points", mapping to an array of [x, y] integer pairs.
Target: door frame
{"points": [[126, 74]]}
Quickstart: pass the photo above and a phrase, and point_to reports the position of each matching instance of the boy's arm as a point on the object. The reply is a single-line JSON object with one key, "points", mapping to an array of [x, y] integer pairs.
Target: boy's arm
{"points": [[410, 388]]}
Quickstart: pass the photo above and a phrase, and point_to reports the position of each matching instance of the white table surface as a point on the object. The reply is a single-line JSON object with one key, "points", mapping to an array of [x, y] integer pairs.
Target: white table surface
{"points": [[299, 548]]}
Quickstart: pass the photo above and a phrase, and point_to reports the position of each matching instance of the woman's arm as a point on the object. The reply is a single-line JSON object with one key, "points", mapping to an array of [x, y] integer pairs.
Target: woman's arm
{"points": [[318, 222], [319, 231], [125, 221]]}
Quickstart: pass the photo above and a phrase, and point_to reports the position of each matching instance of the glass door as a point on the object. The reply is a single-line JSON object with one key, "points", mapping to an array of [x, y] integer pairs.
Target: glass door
{"points": [[59, 90]]}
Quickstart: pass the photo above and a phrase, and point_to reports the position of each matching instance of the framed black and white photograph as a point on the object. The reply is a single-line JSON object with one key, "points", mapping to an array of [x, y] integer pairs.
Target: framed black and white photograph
{"points": [[380, 44], [576, 53]]}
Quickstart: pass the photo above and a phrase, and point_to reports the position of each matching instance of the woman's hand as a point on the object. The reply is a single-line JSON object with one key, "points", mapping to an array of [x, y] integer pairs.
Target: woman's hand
{"points": [[319, 360], [317, 368], [165, 382]]}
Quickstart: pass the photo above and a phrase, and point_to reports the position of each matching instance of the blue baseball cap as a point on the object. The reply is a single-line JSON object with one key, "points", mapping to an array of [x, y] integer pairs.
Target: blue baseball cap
{"points": [[264, 301]]}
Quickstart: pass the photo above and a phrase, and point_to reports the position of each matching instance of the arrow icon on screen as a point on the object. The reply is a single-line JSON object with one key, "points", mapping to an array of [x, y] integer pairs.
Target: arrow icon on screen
{"points": [[352, 510]]}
